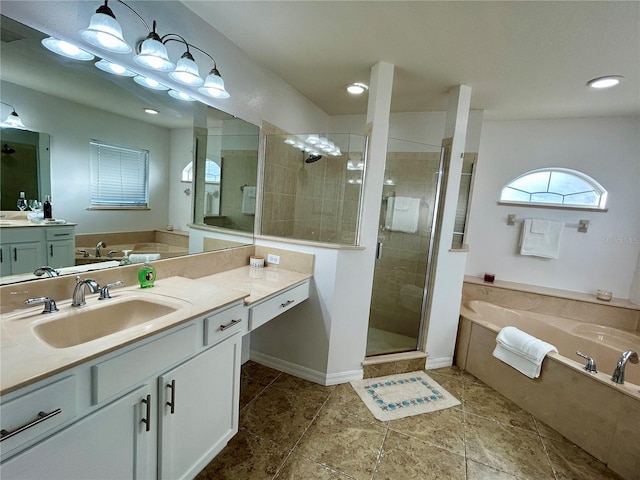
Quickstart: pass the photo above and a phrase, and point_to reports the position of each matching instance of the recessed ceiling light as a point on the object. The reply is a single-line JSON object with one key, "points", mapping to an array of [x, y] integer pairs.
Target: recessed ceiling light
{"points": [[151, 111], [357, 88], [605, 82]]}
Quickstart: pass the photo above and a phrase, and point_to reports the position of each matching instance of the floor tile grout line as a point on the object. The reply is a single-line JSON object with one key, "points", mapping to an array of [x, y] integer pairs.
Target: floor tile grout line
{"points": [[260, 392], [380, 452], [301, 436]]}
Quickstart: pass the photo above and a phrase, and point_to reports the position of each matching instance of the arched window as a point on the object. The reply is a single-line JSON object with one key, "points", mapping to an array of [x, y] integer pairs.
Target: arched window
{"points": [[558, 187], [211, 174]]}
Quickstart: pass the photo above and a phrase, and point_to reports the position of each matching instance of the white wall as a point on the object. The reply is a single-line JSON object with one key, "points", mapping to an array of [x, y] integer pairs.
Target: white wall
{"points": [[180, 204], [606, 149], [71, 127]]}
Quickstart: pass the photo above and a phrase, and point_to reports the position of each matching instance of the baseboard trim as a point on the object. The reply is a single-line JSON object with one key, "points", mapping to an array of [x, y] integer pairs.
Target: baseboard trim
{"points": [[439, 362], [304, 372]]}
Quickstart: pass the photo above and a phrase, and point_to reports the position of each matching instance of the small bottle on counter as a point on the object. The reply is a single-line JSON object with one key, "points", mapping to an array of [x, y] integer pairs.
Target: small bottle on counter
{"points": [[22, 202], [47, 208], [146, 275]]}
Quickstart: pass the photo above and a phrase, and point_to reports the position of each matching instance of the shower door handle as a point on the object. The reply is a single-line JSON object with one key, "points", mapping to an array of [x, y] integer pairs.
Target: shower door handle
{"points": [[378, 250]]}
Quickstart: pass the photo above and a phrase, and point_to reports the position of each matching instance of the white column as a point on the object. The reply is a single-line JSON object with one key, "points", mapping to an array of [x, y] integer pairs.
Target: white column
{"points": [[449, 266], [355, 268]]}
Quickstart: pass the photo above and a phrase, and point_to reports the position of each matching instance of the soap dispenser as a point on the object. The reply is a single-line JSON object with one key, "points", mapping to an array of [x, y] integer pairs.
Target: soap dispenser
{"points": [[146, 275]]}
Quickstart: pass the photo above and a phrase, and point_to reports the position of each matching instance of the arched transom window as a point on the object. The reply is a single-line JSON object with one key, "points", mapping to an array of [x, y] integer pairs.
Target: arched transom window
{"points": [[560, 187]]}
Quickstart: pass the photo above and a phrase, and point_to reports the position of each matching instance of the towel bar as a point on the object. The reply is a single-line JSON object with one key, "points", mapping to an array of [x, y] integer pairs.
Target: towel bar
{"points": [[582, 225]]}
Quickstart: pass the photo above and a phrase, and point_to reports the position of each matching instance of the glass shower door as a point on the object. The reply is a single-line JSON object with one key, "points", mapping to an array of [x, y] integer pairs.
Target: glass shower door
{"points": [[409, 200]]}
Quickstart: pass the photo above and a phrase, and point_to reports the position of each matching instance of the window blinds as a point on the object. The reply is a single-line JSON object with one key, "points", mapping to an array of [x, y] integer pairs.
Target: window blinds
{"points": [[119, 176]]}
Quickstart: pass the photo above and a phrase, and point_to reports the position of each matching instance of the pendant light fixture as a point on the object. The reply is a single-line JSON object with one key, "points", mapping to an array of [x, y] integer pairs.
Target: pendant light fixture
{"points": [[66, 49], [214, 85], [105, 32], [13, 120], [153, 54]]}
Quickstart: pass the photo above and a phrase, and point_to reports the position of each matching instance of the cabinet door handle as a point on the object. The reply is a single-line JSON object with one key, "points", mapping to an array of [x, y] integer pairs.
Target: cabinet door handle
{"points": [[15, 254], [51, 250], [1, 255], [288, 302], [172, 403], [147, 421], [230, 324], [42, 416]]}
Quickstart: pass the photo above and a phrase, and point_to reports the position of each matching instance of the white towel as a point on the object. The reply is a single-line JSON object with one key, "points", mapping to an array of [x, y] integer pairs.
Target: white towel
{"points": [[249, 200], [403, 214], [143, 257], [522, 351], [541, 238]]}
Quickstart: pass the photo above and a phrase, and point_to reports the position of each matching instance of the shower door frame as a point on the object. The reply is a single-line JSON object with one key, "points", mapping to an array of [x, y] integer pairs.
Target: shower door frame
{"points": [[436, 223]]}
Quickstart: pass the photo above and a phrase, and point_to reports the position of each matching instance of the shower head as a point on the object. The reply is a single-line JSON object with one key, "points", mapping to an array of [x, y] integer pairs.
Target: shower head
{"points": [[313, 158], [7, 149]]}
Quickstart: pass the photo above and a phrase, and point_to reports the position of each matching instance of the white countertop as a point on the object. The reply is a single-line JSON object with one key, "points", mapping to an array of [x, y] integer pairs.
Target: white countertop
{"points": [[25, 358]]}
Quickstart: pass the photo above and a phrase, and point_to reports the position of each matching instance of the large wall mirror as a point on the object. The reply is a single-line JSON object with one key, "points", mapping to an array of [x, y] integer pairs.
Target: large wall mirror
{"points": [[66, 104]]}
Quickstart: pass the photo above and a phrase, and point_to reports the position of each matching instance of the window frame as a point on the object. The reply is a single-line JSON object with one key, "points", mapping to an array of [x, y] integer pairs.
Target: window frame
{"points": [[141, 191], [600, 191]]}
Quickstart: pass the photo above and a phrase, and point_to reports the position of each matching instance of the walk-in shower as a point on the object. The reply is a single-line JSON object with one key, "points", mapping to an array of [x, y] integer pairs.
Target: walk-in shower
{"points": [[405, 241]]}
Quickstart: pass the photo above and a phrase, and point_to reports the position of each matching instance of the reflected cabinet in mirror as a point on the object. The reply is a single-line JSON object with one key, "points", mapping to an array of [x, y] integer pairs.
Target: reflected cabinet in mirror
{"points": [[107, 109], [313, 187]]}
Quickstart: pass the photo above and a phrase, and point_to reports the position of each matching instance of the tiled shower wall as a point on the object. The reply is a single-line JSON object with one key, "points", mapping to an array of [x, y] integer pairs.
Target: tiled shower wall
{"points": [[400, 272], [308, 201]]}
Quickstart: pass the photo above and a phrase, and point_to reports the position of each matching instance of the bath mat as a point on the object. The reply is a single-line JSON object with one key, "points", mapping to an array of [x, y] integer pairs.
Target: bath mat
{"points": [[398, 396]]}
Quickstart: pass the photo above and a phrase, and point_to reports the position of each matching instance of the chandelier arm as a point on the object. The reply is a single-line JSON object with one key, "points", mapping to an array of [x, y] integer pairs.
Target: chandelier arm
{"points": [[136, 14], [165, 40]]}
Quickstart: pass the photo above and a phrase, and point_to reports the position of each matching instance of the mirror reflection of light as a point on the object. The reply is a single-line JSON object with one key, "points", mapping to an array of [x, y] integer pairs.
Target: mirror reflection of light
{"points": [[66, 49], [181, 96], [114, 68], [149, 83]]}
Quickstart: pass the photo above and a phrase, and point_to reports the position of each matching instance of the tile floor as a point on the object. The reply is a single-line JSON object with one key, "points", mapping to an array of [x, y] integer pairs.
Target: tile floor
{"points": [[295, 429]]}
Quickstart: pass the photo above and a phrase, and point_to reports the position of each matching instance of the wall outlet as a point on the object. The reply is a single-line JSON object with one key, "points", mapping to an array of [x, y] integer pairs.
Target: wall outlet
{"points": [[273, 259]]}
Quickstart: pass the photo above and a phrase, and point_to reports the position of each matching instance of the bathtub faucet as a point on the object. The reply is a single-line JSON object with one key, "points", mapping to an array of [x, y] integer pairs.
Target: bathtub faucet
{"points": [[100, 245], [618, 373]]}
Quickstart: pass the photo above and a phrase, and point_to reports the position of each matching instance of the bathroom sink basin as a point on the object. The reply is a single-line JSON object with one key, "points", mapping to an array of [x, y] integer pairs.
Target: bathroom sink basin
{"points": [[80, 325]]}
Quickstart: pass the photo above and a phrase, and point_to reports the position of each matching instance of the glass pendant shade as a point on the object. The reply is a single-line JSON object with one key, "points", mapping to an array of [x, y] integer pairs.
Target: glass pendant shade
{"points": [[14, 121], [181, 96], [214, 85], [105, 32], [149, 83], [114, 68], [153, 54], [66, 49], [186, 71]]}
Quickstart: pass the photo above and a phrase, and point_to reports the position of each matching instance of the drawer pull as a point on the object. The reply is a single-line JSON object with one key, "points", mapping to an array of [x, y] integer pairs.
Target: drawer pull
{"points": [[230, 324], [42, 416], [61, 234], [172, 403], [147, 421], [288, 302]]}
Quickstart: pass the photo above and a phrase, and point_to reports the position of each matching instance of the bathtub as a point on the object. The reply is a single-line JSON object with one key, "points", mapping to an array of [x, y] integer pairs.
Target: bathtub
{"points": [[165, 250], [600, 416]]}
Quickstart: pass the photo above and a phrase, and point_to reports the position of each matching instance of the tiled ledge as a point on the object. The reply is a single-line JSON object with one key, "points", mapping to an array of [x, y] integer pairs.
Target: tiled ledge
{"points": [[553, 292], [618, 313]]}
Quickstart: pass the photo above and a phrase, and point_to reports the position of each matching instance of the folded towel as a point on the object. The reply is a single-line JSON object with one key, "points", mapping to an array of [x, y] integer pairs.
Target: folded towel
{"points": [[403, 214], [249, 200], [143, 257], [541, 238], [522, 351]]}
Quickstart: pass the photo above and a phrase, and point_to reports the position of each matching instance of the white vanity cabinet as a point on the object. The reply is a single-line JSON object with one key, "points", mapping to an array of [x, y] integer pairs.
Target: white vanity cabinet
{"points": [[198, 404], [111, 443], [60, 246], [162, 408], [23, 249]]}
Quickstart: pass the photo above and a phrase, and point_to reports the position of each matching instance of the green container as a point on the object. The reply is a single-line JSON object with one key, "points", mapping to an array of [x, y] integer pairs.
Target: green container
{"points": [[146, 275]]}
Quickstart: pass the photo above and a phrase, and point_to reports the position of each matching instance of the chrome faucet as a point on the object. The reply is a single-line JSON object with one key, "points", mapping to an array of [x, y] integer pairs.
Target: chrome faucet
{"points": [[98, 246], [78, 291], [46, 270], [49, 303], [618, 373]]}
